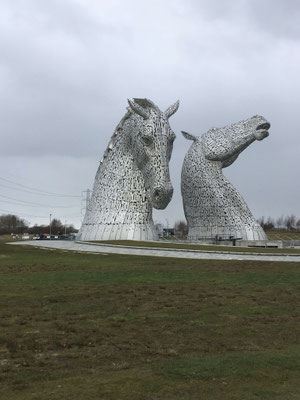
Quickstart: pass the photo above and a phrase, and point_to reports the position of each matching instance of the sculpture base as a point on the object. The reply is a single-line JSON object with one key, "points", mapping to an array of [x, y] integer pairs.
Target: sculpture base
{"points": [[117, 232], [221, 233]]}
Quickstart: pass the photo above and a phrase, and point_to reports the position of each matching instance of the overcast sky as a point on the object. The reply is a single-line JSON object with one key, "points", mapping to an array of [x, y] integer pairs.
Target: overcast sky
{"points": [[67, 68]]}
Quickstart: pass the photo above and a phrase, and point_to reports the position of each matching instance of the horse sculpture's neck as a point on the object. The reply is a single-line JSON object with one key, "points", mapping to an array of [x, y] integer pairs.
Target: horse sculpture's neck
{"points": [[119, 197], [119, 185], [216, 208]]}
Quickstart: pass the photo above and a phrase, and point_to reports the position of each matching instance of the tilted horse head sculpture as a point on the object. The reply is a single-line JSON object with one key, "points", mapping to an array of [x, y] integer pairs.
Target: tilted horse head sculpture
{"points": [[133, 176], [212, 205]]}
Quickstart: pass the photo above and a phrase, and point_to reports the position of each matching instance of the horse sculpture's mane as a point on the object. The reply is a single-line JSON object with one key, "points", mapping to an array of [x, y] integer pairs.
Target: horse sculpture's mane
{"points": [[145, 103], [119, 129]]}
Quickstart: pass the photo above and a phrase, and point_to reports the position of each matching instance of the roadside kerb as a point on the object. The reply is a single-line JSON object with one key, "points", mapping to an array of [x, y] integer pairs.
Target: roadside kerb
{"points": [[238, 253]]}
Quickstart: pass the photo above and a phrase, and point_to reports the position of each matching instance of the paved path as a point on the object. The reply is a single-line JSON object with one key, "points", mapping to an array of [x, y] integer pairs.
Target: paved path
{"points": [[157, 252]]}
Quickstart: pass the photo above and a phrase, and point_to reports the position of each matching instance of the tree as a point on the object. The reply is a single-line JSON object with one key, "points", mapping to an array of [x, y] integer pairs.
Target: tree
{"points": [[71, 228], [57, 226], [290, 222], [280, 222], [180, 228], [270, 224], [10, 223], [39, 229], [261, 221]]}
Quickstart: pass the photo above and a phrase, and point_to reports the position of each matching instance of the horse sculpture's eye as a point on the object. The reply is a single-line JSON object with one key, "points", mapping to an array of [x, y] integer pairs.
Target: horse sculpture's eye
{"points": [[147, 140]]}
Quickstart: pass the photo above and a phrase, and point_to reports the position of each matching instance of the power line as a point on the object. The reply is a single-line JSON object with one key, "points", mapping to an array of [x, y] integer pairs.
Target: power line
{"points": [[25, 205], [37, 190], [35, 204], [38, 216], [70, 215], [28, 191], [27, 215], [15, 204]]}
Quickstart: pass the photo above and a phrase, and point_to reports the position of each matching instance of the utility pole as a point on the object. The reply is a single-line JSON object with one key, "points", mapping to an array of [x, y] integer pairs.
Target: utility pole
{"points": [[50, 226], [65, 228], [85, 201]]}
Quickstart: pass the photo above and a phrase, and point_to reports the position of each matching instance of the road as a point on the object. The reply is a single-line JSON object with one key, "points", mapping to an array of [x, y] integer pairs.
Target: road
{"points": [[156, 252]]}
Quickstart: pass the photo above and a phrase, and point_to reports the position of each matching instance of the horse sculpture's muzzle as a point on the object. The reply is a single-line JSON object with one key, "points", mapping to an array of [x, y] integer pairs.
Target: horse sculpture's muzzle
{"points": [[262, 131], [161, 196]]}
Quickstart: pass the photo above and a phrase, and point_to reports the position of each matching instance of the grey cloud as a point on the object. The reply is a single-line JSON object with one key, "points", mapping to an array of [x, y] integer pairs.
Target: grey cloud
{"points": [[278, 18], [67, 68]]}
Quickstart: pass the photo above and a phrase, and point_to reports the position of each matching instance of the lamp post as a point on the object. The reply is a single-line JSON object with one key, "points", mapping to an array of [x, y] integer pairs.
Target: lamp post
{"points": [[50, 226]]}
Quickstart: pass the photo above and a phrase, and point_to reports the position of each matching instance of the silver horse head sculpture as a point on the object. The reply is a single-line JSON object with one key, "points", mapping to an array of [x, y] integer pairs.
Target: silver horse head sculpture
{"points": [[133, 176], [212, 206]]}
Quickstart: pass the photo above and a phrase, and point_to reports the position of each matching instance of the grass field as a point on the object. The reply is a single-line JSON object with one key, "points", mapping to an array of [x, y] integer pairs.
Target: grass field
{"points": [[273, 235], [90, 327], [202, 247]]}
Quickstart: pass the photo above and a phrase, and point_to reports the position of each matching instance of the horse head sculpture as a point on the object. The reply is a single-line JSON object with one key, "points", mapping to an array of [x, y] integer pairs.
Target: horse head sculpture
{"points": [[133, 176], [212, 205], [151, 141]]}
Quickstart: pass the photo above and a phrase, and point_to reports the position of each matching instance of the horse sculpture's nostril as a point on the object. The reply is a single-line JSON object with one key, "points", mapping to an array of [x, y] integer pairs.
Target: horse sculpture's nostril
{"points": [[161, 196], [265, 126]]}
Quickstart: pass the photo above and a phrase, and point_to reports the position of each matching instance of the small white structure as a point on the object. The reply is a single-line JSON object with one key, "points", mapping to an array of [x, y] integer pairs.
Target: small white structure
{"points": [[212, 206], [133, 176]]}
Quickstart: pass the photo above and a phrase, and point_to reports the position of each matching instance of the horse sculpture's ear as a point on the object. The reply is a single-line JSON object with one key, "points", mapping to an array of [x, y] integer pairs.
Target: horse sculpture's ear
{"points": [[188, 136], [138, 109], [172, 109]]}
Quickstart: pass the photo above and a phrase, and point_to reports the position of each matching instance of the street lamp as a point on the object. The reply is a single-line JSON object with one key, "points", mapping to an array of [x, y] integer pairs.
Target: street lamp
{"points": [[50, 226], [167, 227]]}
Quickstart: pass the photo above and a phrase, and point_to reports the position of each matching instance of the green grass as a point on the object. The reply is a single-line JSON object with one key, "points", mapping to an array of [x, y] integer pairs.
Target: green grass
{"points": [[245, 364], [87, 327], [282, 235], [175, 245]]}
